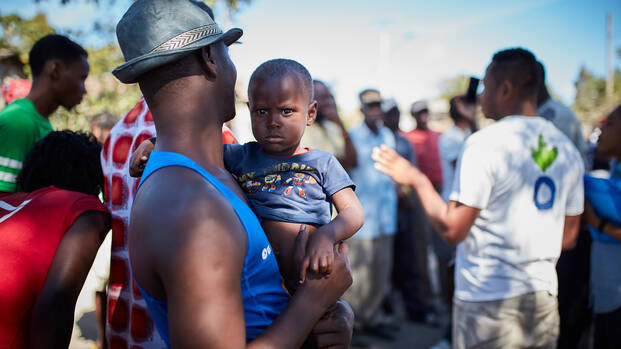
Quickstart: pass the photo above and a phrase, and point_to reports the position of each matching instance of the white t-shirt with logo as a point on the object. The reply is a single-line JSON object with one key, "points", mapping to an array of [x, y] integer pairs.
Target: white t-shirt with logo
{"points": [[525, 176]]}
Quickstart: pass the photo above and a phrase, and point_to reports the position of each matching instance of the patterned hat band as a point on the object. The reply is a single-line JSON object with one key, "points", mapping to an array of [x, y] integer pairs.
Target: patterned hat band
{"points": [[189, 37]]}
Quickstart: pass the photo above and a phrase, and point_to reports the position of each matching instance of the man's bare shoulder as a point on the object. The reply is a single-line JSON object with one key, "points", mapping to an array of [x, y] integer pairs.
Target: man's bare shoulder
{"points": [[178, 202]]}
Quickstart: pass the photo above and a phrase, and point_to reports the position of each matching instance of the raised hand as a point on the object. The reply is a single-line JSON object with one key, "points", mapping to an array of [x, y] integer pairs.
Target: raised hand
{"points": [[400, 169], [139, 158]]}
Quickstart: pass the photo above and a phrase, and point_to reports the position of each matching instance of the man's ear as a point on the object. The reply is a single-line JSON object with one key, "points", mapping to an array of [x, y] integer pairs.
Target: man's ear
{"points": [[54, 69], [312, 113], [506, 91], [208, 64]]}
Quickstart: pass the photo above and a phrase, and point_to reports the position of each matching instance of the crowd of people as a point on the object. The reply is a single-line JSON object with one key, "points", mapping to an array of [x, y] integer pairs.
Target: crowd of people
{"points": [[314, 235]]}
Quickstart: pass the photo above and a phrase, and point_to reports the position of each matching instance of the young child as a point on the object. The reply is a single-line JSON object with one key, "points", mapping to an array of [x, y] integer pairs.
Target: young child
{"points": [[286, 184]]}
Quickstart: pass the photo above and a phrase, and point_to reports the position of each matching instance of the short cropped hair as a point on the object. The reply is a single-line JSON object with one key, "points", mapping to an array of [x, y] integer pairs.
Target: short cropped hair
{"points": [[518, 66], [541, 70], [281, 67], [65, 159], [53, 46]]}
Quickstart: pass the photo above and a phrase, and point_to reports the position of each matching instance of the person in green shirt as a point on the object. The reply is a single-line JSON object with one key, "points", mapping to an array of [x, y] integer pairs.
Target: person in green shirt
{"points": [[59, 68]]}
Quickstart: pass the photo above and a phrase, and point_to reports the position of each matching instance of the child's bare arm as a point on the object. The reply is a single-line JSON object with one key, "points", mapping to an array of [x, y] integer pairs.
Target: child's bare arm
{"points": [[319, 257]]}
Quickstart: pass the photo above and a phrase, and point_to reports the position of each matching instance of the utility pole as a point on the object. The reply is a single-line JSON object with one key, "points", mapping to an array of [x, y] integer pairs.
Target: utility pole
{"points": [[609, 70]]}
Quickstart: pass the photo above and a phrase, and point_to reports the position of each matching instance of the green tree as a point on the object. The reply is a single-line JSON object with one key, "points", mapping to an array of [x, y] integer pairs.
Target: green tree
{"points": [[19, 34], [591, 103], [104, 92]]}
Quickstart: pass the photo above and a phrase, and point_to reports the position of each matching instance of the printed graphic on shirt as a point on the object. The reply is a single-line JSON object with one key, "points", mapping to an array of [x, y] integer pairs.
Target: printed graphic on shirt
{"points": [[545, 190], [11, 210], [277, 179], [543, 155]]}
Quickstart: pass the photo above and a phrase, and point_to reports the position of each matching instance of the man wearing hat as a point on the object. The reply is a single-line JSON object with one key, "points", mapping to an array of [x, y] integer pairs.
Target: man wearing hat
{"points": [[371, 248], [198, 254]]}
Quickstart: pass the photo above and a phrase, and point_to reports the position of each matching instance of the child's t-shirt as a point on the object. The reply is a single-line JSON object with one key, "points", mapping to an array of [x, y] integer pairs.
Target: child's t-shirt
{"points": [[293, 189]]}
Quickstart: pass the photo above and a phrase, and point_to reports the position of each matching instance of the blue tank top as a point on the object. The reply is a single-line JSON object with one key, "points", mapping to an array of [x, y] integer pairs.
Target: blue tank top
{"points": [[263, 295]]}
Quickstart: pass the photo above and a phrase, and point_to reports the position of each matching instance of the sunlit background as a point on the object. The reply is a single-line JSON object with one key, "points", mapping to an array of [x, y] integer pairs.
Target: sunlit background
{"points": [[410, 50]]}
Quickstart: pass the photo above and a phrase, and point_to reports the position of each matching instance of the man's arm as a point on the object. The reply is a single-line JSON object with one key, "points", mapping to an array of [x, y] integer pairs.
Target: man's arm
{"points": [[591, 218], [198, 259], [51, 321], [452, 221], [570, 232], [350, 156]]}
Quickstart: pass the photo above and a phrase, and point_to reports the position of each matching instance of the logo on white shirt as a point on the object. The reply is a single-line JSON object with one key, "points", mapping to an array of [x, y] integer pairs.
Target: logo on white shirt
{"points": [[545, 189]]}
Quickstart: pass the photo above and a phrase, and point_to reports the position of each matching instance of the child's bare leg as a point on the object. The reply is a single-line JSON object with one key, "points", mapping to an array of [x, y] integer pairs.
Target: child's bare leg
{"points": [[282, 237]]}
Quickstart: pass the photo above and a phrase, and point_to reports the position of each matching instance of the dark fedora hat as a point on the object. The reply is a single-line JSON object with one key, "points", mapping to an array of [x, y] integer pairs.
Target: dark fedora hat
{"points": [[156, 32]]}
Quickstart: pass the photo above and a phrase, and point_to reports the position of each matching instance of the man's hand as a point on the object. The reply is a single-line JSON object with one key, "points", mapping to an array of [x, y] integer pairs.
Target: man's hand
{"points": [[319, 255], [325, 289], [139, 158], [335, 328], [397, 167]]}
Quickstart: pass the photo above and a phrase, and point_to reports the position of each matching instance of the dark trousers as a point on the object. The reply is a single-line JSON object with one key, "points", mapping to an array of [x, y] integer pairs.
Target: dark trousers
{"points": [[573, 270], [607, 330], [410, 275]]}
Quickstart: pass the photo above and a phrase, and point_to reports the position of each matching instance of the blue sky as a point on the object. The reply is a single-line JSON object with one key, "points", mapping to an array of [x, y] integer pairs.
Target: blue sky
{"points": [[406, 48]]}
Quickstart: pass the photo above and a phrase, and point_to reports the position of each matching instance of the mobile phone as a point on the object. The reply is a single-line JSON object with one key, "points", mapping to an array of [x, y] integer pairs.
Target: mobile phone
{"points": [[471, 95]]}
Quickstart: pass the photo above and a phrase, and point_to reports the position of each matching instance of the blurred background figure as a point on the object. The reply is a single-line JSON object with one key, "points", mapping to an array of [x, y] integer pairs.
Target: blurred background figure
{"points": [[371, 249], [410, 274], [101, 124], [328, 133], [59, 68], [49, 235], [425, 143], [573, 265], [560, 115], [602, 214], [451, 142]]}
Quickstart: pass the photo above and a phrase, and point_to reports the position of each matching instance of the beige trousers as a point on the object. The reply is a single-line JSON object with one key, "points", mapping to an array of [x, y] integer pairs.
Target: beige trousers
{"points": [[527, 321], [371, 265]]}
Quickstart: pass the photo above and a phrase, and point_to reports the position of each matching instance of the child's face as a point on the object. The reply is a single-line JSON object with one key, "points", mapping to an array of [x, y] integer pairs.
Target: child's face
{"points": [[280, 110]]}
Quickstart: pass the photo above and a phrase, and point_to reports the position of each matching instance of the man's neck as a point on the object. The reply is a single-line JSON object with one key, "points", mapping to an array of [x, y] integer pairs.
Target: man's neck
{"points": [[372, 127], [192, 130], [523, 108], [42, 100], [463, 125]]}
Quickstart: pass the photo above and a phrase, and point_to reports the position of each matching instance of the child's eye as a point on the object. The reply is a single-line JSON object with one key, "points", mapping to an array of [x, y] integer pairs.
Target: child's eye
{"points": [[287, 111], [261, 112]]}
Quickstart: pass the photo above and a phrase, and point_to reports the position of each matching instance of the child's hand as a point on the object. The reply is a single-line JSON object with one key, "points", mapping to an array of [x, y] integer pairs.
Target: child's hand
{"points": [[319, 257], [139, 158]]}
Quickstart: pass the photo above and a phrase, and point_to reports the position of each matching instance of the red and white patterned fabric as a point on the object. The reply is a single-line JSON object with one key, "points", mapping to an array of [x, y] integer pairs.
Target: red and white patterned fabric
{"points": [[128, 323], [15, 89]]}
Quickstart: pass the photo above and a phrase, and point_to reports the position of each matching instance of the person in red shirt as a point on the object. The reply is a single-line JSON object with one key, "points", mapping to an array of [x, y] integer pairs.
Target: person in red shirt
{"points": [[49, 235], [425, 143]]}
